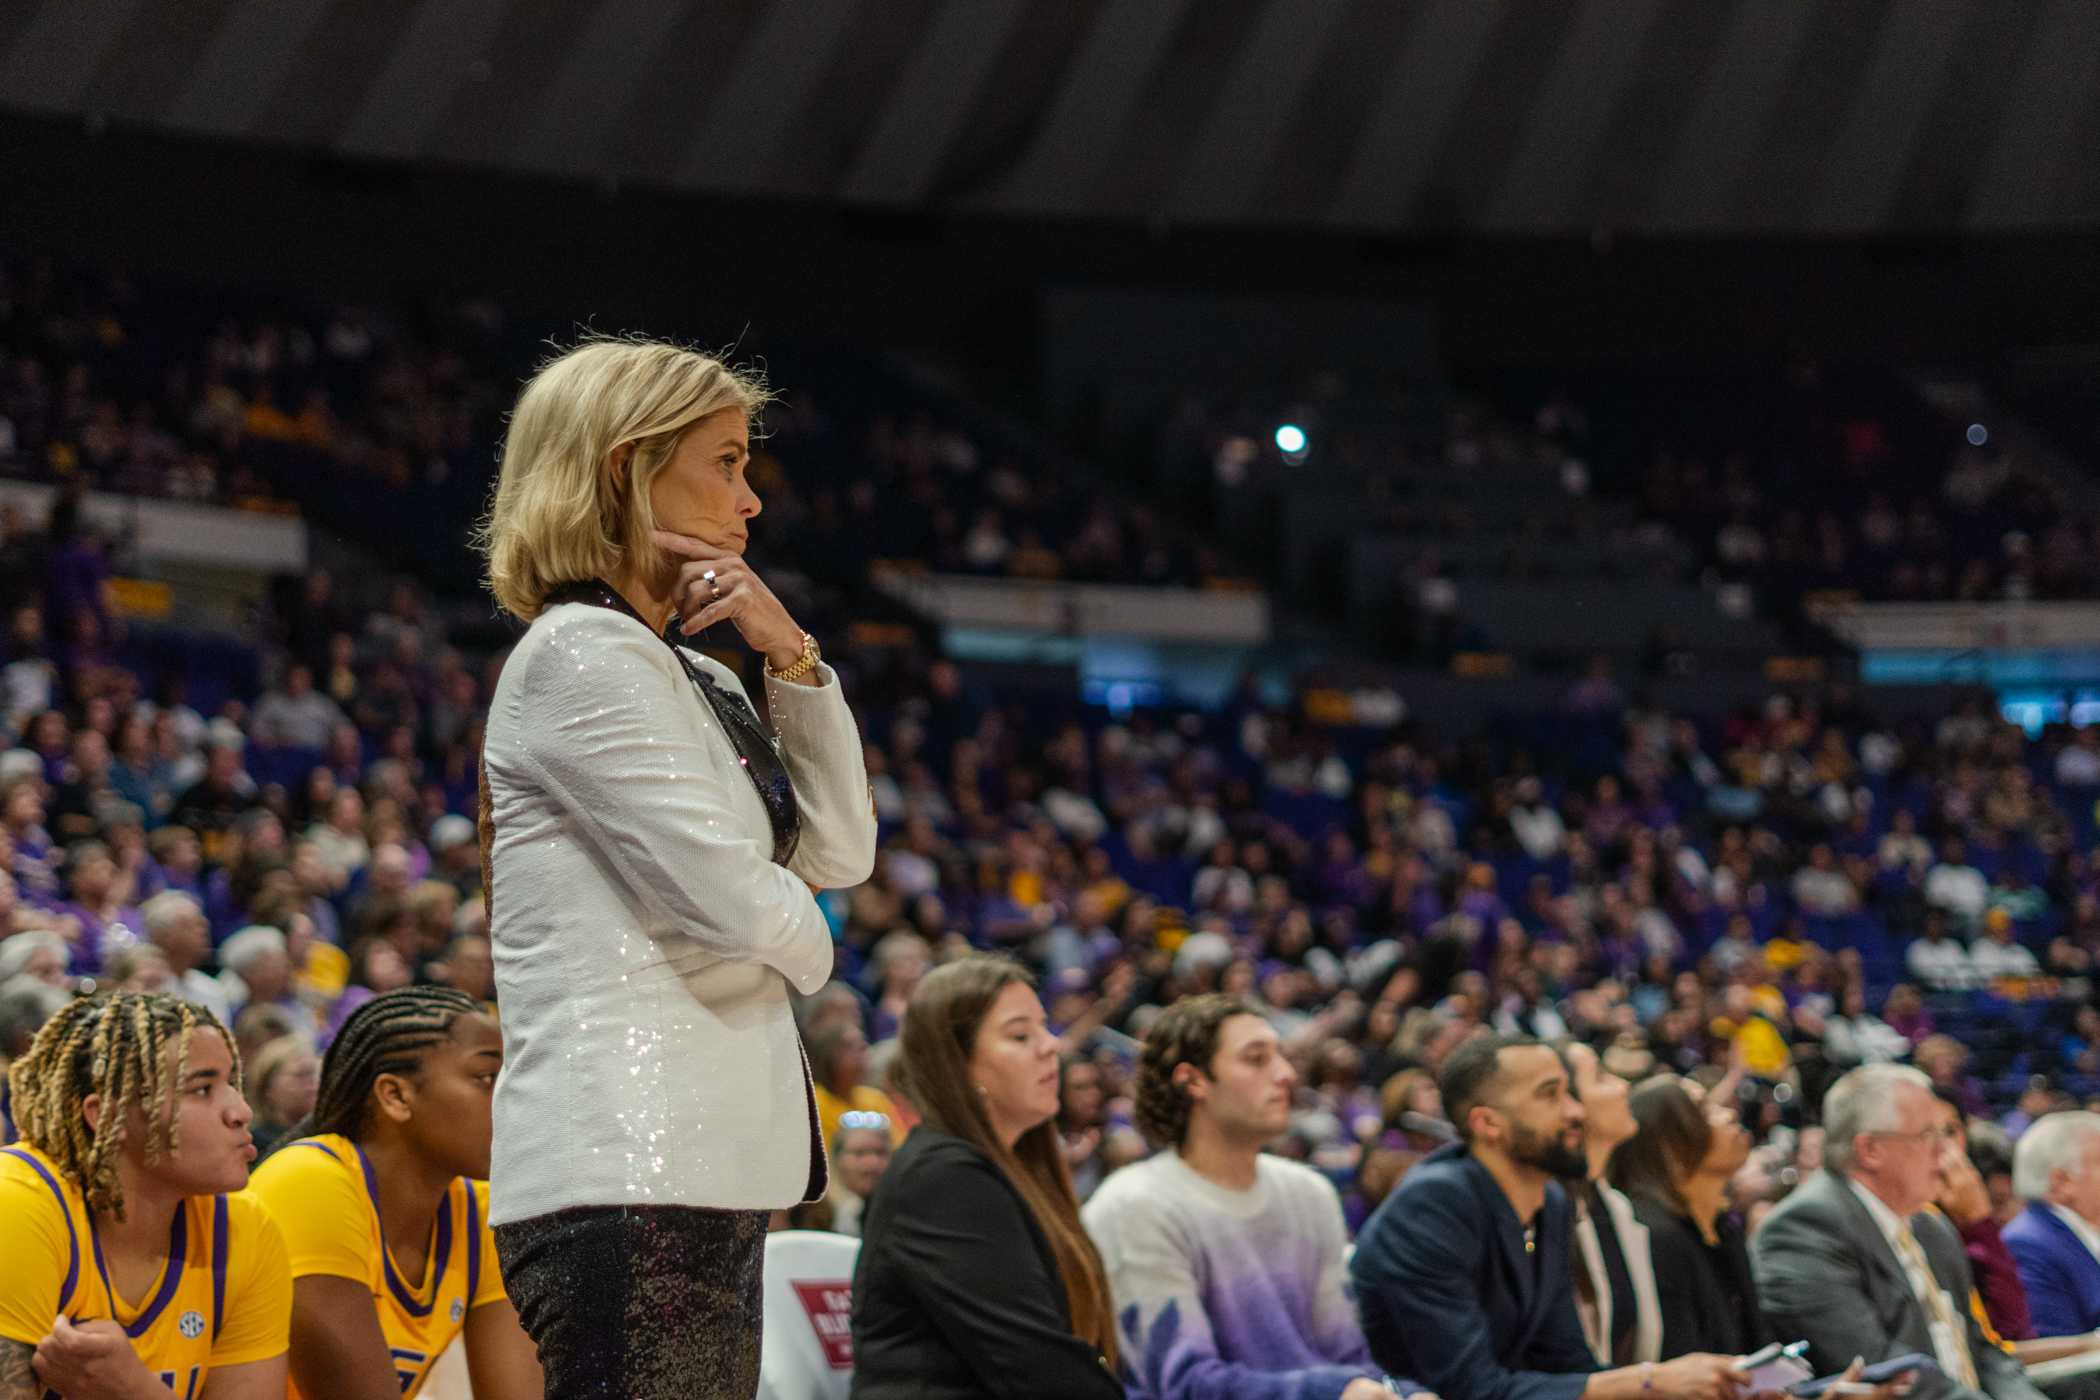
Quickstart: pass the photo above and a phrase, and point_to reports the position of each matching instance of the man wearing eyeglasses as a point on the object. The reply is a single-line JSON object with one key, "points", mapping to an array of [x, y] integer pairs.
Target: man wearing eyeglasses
{"points": [[1854, 1261], [860, 1154]]}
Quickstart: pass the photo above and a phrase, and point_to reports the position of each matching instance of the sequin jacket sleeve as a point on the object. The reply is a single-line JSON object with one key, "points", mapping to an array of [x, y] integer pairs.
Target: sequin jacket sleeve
{"points": [[607, 724], [822, 743]]}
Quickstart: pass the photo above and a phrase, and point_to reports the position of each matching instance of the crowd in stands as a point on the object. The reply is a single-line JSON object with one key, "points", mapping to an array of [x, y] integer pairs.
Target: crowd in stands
{"points": [[1749, 907], [1828, 478], [1802, 886], [151, 387], [1765, 488]]}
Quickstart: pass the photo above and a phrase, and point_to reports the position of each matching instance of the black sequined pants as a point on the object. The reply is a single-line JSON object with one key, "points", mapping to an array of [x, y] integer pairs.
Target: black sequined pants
{"points": [[640, 1302]]}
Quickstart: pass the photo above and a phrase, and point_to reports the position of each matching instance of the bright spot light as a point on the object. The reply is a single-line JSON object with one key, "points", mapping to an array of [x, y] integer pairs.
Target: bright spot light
{"points": [[1978, 435], [1290, 440]]}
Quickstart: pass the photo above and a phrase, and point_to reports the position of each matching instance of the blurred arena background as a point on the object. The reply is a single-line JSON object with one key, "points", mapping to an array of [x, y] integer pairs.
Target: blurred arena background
{"points": [[1429, 513]]}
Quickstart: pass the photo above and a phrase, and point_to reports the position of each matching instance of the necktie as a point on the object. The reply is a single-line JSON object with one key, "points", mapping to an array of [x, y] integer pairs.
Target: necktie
{"points": [[1937, 1307]]}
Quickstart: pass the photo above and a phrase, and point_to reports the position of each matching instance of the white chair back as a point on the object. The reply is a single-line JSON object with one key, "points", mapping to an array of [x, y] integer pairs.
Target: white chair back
{"points": [[447, 1377], [808, 1314]]}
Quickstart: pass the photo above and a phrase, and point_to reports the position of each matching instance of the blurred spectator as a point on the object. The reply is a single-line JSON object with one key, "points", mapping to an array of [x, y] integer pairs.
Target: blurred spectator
{"points": [[1676, 1170], [859, 1155], [1082, 1122], [1991, 1153], [98, 905], [468, 966], [215, 801], [1431, 1302], [838, 1064], [1225, 1262], [1999, 954], [1955, 886], [137, 967], [1938, 960], [38, 955], [1018, 1302], [899, 961], [175, 924], [282, 1085], [258, 972], [1821, 1258], [1966, 1202], [296, 716], [2056, 1240], [339, 839]]}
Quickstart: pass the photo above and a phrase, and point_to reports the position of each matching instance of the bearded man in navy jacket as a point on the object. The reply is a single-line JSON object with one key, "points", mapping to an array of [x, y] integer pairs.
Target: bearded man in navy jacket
{"points": [[1464, 1276]]}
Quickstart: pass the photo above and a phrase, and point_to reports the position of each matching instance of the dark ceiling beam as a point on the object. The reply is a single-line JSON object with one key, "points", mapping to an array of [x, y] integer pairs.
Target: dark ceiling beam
{"points": [[1865, 165], [445, 45], [937, 89], [761, 90], [57, 54], [1086, 119], [1719, 141], [1543, 185], [244, 65], [1251, 113], [2031, 159], [617, 52], [1405, 137]]}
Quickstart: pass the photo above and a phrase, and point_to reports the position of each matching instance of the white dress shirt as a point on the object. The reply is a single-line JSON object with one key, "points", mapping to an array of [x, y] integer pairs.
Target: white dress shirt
{"points": [[644, 939], [1951, 1348], [1892, 1227]]}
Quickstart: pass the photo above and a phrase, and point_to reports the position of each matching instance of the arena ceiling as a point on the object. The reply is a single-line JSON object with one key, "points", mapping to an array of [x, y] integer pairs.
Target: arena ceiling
{"points": [[1399, 116]]}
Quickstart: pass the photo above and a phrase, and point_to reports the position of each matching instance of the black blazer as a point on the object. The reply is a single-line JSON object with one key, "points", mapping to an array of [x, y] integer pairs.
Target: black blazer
{"points": [[1450, 1296], [956, 1293]]}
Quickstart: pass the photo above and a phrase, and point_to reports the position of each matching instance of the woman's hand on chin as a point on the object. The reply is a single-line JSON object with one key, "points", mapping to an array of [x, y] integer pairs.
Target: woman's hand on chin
{"points": [[735, 594]]}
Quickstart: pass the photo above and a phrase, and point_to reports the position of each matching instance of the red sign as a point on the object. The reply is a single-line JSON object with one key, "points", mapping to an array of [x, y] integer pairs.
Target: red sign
{"points": [[830, 1309]]}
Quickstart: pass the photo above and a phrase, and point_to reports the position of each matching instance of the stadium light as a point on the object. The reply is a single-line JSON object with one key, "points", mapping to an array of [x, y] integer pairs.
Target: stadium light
{"points": [[1978, 435], [1291, 442]]}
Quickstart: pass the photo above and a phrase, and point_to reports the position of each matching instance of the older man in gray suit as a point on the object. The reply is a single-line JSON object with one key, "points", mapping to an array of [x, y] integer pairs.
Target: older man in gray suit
{"points": [[1856, 1263]]}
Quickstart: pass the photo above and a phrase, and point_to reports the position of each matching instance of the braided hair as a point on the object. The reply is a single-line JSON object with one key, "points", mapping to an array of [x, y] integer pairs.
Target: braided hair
{"points": [[112, 1046], [387, 1035]]}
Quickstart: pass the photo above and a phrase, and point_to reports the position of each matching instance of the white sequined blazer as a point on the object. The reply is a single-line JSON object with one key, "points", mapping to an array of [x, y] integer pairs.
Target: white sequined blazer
{"points": [[644, 939]]}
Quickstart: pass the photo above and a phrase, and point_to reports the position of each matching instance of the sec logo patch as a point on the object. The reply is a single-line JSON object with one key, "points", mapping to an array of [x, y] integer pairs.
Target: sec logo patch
{"points": [[459, 1309], [191, 1324]]}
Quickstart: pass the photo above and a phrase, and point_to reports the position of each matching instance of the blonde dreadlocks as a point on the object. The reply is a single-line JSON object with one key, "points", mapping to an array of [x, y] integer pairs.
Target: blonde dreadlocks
{"points": [[113, 1046]]}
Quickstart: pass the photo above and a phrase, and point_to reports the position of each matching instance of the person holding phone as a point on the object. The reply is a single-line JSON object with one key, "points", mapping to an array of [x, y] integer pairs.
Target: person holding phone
{"points": [[1463, 1276], [1856, 1263]]}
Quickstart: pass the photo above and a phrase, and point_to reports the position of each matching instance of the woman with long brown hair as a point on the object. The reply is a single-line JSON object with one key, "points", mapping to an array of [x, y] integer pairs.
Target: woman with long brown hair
{"points": [[1675, 1170], [975, 1275]]}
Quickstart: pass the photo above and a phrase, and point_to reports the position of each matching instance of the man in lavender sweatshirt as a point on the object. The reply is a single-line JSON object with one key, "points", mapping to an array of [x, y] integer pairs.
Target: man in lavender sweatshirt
{"points": [[1226, 1264]]}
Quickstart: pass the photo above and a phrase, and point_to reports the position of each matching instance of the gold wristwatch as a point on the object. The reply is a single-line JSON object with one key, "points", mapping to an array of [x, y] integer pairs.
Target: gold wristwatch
{"points": [[802, 665]]}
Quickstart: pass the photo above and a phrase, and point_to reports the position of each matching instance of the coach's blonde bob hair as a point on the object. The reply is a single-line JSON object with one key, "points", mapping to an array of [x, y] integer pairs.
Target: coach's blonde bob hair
{"points": [[562, 510]]}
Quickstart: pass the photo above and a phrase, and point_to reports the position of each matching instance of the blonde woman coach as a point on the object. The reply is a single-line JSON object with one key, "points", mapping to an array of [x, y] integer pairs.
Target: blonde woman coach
{"points": [[652, 854]]}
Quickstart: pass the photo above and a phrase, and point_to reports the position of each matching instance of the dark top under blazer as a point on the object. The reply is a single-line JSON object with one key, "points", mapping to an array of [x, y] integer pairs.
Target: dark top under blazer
{"points": [[956, 1293], [1450, 1296], [1708, 1298]]}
